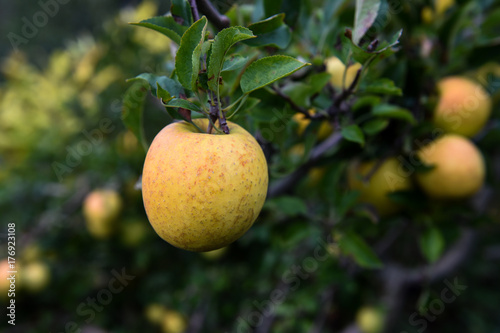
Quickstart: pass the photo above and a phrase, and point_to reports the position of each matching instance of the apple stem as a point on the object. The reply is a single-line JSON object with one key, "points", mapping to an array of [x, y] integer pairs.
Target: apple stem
{"points": [[215, 115], [217, 19], [223, 122], [194, 10]]}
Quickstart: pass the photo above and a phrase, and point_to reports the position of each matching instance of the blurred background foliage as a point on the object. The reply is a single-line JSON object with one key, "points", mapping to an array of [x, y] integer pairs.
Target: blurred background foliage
{"points": [[62, 92]]}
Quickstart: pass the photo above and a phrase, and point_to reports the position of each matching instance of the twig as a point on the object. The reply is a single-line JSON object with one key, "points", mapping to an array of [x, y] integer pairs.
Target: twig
{"points": [[352, 328], [397, 279], [194, 10], [197, 319], [349, 91], [223, 122], [319, 322], [374, 169], [220, 21], [294, 106], [284, 184], [269, 319]]}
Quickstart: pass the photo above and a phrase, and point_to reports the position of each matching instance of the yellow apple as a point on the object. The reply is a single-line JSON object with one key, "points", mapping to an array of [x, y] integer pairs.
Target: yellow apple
{"points": [[173, 322], [463, 106], [203, 191], [324, 131], [127, 143], [386, 179], [31, 252], [442, 6], [155, 312], [133, 232], [315, 175], [4, 283], [101, 208], [34, 276], [427, 15], [459, 168], [370, 320], [336, 68]]}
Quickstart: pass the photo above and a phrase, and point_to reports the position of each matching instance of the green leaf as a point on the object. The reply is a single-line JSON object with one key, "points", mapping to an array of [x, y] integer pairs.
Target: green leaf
{"points": [[393, 111], [165, 25], [383, 86], [187, 60], [272, 7], [236, 61], [267, 25], [346, 202], [182, 103], [224, 40], [290, 206], [169, 88], [271, 32], [268, 70], [375, 126], [300, 92], [363, 56], [432, 244], [292, 10], [365, 101], [182, 9], [351, 244], [133, 105], [366, 13], [353, 133], [185, 104], [489, 29], [163, 94]]}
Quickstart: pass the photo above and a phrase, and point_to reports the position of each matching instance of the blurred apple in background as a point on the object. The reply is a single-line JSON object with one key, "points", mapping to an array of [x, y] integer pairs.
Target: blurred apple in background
{"points": [[463, 108], [34, 276], [336, 68], [101, 208], [459, 169], [134, 231], [370, 319], [324, 131], [374, 191], [173, 322], [215, 254]]}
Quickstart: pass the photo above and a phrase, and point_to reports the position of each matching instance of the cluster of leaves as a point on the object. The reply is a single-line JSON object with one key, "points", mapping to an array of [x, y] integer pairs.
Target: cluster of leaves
{"points": [[205, 74]]}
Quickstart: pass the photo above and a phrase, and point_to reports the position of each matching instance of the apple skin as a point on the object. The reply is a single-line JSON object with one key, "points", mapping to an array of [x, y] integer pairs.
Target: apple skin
{"points": [[459, 168], [335, 67], [101, 208], [385, 180], [463, 107], [203, 191]]}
